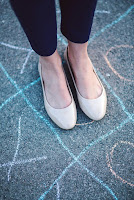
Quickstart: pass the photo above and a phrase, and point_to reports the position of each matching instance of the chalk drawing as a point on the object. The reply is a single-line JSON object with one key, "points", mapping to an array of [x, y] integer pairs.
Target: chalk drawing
{"points": [[76, 160], [109, 64], [116, 96], [102, 11], [110, 158], [62, 40], [51, 127], [23, 95], [28, 56], [55, 132], [22, 162], [72, 138], [54, 129], [30, 51], [20, 91], [58, 191], [111, 24], [15, 47], [99, 181], [17, 149], [82, 153], [58, 11]]}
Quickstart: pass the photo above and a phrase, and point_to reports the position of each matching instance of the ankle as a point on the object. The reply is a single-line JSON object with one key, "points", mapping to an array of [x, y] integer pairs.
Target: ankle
{"points": [[77, 50], [52, 69], [77, 56], [52, 59]]}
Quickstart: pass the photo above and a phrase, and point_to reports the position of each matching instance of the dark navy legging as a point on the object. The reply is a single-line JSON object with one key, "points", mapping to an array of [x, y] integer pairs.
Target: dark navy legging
{"points": [[38, 20]]}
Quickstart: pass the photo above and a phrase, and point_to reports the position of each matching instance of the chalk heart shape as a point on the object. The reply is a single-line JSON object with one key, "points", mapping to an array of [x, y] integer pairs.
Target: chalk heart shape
{"points": [[110, 65], [110, 161]]}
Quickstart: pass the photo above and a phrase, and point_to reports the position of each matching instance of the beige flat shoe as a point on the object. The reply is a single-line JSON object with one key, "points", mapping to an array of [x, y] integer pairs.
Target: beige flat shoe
{"points": [[66, 117], [94, 108]]}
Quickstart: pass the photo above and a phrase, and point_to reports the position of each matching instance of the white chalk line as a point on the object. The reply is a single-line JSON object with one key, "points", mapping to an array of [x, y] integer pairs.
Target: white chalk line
{"points": [[20, 48], [58, 191], [24, 64], [102, 11], [97, 11], [15, 47], [16, 152], [58, 11], [22, 162]]}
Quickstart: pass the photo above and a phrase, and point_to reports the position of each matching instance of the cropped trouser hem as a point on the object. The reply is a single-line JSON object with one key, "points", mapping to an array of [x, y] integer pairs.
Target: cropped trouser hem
{"points": [[71, 38], [47, 52]]}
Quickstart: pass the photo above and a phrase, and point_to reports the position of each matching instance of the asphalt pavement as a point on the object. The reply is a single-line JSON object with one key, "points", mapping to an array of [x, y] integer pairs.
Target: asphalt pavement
{"points": [[95, 159]]}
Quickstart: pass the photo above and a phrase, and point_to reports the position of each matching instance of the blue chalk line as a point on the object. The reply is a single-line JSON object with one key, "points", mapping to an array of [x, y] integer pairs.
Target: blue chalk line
{"points": [[110, 25], [20, 91], [117, 128], [99, 181], [115, 95]]}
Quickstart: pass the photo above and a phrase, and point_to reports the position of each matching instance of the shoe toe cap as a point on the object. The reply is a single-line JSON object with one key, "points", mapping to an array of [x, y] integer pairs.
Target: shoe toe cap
{"points": [[95, 109], [65, 118]]}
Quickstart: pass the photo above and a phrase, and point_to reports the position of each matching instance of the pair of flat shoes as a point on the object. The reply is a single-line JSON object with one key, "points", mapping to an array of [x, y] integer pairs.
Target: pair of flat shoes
{"points": [[66, 117]]}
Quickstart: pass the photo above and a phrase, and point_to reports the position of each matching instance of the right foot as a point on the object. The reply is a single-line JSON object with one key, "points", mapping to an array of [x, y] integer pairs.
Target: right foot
{"points": [[56, 89]]}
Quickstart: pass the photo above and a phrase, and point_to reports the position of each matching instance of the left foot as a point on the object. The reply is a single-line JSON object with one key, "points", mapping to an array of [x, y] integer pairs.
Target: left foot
{"points": [[86, 80]]}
